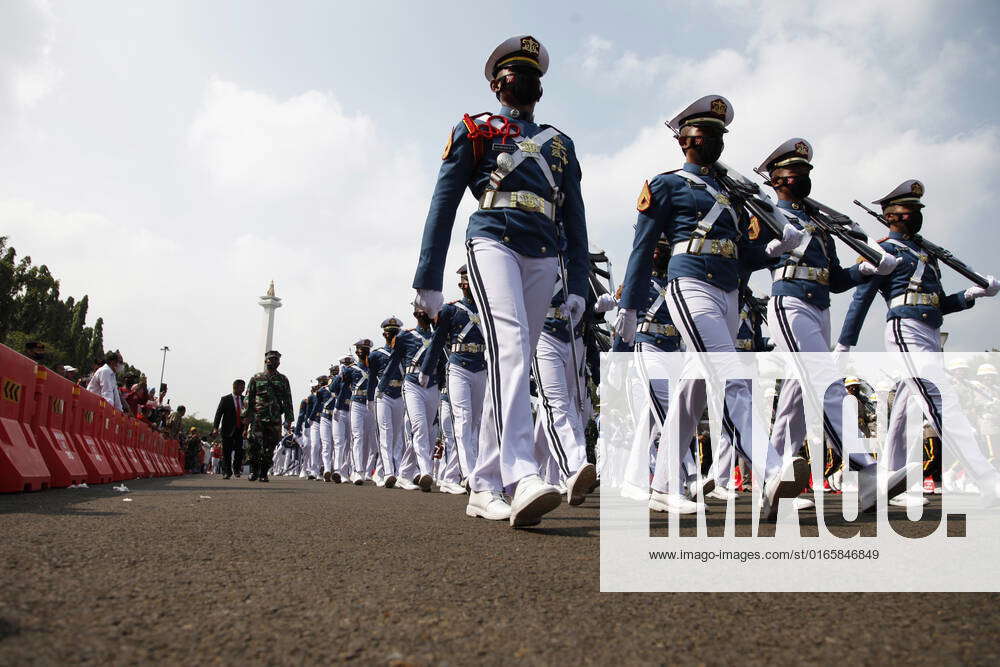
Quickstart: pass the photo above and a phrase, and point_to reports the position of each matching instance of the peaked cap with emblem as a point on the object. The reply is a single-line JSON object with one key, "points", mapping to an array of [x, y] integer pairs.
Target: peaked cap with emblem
{"points": [[907, 192], [348, 360], [522, 50], [272, 353], [364, 342], [709, 111], [794, 151], [392, 323]]}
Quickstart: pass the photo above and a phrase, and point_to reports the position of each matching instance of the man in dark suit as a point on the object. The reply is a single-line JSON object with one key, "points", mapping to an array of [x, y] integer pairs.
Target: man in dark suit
{"points": [[229, 424]]}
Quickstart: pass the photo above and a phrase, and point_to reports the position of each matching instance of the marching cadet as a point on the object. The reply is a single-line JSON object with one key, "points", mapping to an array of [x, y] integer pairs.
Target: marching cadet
{"points": [[917, 305], [711, 246], [799, 314], [526, 178], [458, 329], [304, 455], [389, 409], [269, 401], [989, 420], [559, 424], [326, 426], [449, 474], [315, 458], [421, 402], [341, 417], [357, 388]]}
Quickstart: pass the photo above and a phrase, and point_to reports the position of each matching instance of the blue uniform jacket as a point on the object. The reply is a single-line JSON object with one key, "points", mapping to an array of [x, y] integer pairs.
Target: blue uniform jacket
{"points": [[301, 420], [323, 403], [674, 209], [312, 410], [451, 321], [335, 390], [407, 345], [897, 283], [657, 283], [529, 233], [378, 364], [821, 253], [357, 384]]}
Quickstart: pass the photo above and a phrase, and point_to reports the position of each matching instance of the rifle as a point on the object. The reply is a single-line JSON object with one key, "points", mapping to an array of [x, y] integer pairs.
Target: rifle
{"points": [[840, 226], [936, 251], [749, 197]]}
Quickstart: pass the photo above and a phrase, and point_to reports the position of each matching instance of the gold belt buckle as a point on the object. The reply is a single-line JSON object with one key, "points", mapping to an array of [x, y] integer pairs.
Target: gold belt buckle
{"points": [[527, 201], [695, 244]]}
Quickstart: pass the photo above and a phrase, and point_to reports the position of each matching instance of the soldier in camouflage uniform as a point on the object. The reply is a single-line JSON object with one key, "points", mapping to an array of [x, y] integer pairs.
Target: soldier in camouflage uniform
{"points": [[269, 399]]}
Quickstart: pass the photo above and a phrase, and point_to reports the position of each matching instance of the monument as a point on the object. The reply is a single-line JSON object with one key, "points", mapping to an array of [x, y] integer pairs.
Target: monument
{"points": [[269, 303]]}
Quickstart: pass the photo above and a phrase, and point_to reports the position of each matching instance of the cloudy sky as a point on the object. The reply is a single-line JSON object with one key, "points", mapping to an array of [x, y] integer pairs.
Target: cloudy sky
{"points": [[170, 159]]}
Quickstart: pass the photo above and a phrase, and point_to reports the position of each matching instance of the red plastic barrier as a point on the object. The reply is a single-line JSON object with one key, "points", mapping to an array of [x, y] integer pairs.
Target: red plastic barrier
{"points": [[126, 440], [178, 456], [53, 396], [161, 458], [81, 431], [107, 437], [22, 467], [134, 436], [146, 445]]}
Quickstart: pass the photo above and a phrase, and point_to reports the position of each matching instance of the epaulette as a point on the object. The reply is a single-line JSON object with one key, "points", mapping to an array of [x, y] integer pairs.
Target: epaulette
{"points": [[666, 173], [883, 239], [478, 148], [546, 126]]}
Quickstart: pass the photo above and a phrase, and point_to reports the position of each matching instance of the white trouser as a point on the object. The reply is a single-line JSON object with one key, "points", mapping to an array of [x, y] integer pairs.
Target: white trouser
{"points": [[448, 469], [909, 335], [304, 451], [421, 408], [407, 463], [799, 326], [374, 455], [326, 439], [708, 319], [560, 423], [513, 294], [466, 391], [361, 432], [315, 449], [389, 417], [651, 390], [342, 443]]}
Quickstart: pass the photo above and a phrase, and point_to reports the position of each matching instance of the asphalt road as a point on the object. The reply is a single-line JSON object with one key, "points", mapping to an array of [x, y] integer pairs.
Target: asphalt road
{"points": [[304, 572]]}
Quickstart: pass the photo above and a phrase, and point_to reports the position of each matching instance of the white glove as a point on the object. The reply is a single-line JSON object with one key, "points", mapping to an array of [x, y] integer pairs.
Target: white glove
{"points": [[424, 379], [605, 302], [886, 265], [791, 237], [625, 325], [976, 291], [575, 305], [336, 415], [840, 347], [430, 301]]}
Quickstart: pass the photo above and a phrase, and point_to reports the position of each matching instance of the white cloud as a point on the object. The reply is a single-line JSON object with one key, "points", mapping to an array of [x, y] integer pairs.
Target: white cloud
{"points": [[27, 73]]}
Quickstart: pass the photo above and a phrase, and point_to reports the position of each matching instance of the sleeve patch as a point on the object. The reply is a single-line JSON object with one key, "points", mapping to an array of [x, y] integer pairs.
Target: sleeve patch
{"points": [[447, 146], [753, 233], [645, 198]]}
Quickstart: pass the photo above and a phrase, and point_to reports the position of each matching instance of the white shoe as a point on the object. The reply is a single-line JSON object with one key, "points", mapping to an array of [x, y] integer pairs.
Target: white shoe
{"points": [[425, 482], [580, 484], [561, 487], [355, 478], [377, 480], [406, 485], [894, 485], [533, 498], [448, 487], [908, 500], [803, 504], [718, 493], [634, 492], [674, 503], [707, 486], [788, 483], [487, 505]]}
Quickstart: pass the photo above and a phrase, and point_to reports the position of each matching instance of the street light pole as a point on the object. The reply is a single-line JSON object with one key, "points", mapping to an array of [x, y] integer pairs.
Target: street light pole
{"points": [[159, 390]]}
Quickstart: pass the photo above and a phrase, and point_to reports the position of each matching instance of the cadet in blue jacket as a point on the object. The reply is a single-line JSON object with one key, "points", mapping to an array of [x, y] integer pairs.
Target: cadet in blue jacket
{"points": [[526, 178], [711, 246], [341, 415], [799, 315], [458, 330], [389, 409], [917, 304], [358, 388]]}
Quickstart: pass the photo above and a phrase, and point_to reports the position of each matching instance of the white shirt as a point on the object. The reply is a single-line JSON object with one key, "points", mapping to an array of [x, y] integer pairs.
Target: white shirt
{"points": [[105, 384]]}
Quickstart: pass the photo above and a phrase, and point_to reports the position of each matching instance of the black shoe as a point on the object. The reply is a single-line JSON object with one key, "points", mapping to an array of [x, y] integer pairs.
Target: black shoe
{"points": [[237, 475], [263, 478], [336, 477], [226, 476], [253, 477]]}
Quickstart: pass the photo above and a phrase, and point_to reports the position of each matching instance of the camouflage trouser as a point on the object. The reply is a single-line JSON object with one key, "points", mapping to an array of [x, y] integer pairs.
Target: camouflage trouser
{"points": [[262, 438]]}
